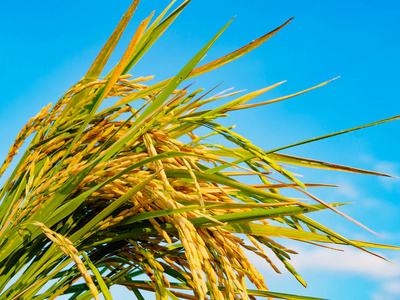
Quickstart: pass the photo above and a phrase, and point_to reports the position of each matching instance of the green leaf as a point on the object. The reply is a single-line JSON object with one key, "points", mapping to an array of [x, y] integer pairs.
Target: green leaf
{"points": [[275, 231], [294, 160], [333, 134], [103, 287], [312, 163], [159, 213], [236, 54], [280, 295], [258, 214], [180, 77], [153, 33], [181, 173], [106, 51]]}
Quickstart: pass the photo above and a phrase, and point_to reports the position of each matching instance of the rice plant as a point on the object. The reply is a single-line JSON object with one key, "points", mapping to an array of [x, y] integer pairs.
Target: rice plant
{"points": [[105, 195]]}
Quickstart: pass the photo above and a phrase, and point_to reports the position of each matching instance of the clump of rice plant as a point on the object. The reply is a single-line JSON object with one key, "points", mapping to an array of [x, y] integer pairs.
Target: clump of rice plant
{"points": [[102, 196]]}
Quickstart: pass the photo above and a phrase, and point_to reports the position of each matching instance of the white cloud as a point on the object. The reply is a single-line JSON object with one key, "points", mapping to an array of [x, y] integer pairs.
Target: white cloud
{"points": [[351, 261], [366, 158], [348, 190], [391, 168], [372, 203], [389, 235], [388, 291], [392, 287], [388, 167], [336, 263]]}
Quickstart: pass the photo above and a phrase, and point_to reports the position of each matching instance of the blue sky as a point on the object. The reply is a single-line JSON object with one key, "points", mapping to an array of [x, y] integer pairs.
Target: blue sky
{"points": [[48, 45]]}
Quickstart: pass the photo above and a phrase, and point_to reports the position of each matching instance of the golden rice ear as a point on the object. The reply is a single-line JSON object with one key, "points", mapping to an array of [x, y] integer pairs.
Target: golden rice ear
{"points": [[67, 247]]}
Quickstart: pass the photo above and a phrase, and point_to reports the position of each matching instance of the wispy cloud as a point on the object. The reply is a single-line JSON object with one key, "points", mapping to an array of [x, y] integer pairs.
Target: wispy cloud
{"points": [[391, 168], [348, 190], [388, 291], [351, 261]]}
